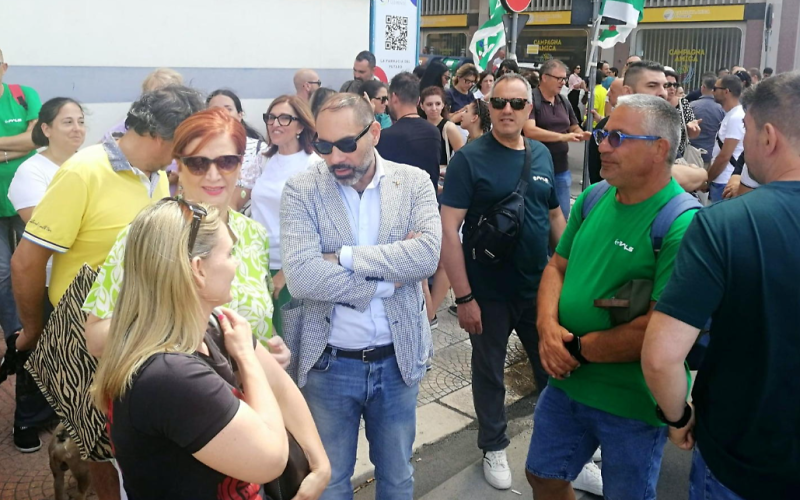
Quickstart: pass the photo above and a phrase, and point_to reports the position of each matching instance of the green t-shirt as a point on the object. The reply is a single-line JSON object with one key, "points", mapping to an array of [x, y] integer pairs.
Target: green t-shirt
{"points": [[611, 248], [481, 174], [14, 121]]}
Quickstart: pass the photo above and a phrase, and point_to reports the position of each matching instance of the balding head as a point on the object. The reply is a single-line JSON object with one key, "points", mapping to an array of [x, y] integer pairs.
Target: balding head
{"points": [[306, 81], [614, 91]]}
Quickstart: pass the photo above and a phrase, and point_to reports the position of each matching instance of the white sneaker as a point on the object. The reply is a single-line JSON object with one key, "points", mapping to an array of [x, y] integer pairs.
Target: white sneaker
{"points": [[597, 457], [590, 480], [496, 470]]}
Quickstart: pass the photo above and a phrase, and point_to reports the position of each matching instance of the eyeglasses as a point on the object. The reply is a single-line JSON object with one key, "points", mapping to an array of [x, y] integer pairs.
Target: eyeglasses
{"points": [[720, 88], [318, 82], [283, 120], [469, 82], [345, 145], [197, 214], [517, 103], [199, 165], [673, 85], [561, 79], [615, 137], [383, 99]]}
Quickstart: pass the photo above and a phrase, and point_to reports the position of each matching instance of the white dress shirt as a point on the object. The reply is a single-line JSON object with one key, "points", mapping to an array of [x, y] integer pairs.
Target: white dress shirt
{"points": [[351, 329]]}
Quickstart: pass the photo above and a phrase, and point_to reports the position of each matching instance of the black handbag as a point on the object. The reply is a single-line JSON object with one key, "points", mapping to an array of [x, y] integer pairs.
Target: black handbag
{"points": [[493, 239]]}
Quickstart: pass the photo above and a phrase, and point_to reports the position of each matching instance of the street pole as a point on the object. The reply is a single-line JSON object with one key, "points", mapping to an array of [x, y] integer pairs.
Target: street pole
{"points": [[591, 69], [514, 21]]}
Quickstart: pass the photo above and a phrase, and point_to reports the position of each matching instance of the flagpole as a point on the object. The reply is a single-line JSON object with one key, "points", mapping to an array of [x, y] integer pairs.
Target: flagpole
{"points": [[591, 69]]}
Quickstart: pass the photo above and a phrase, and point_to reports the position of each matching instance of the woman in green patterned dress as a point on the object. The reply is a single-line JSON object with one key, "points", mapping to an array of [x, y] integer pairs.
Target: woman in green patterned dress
{"points": [[208, 146]]}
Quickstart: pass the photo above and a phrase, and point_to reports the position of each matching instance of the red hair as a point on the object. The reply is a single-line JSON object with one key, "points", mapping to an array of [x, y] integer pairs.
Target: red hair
{"points": [[206, 125]]}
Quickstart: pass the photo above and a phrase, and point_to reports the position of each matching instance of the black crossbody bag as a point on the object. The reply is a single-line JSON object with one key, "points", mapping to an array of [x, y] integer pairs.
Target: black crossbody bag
{"points": [[493, 239]]}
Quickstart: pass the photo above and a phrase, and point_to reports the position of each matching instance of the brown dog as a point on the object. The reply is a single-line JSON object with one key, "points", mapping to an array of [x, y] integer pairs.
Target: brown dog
{"points": [[64, 455]]}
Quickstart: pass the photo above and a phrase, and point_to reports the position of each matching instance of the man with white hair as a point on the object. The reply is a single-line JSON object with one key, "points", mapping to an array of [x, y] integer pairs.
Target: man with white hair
{"points": [[594, 302]]}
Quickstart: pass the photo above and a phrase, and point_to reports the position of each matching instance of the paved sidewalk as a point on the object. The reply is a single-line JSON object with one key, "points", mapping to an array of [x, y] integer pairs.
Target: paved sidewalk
{"points": [[444, 407]]}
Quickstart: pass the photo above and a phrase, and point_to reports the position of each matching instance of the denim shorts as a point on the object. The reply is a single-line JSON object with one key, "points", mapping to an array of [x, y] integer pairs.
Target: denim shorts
{"points": [[566, 434], [703, 485]]}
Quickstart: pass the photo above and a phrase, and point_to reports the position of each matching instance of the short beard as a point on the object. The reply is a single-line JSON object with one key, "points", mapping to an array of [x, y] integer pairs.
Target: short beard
{"points": [[358, 171]]}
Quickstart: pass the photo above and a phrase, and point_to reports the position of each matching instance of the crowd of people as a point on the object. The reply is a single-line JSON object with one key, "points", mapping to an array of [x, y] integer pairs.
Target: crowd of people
{"points": [[257, 292]]}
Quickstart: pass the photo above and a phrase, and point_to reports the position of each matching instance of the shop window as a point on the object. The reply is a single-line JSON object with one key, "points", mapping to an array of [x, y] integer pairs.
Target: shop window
{"points": [[446, 44]]}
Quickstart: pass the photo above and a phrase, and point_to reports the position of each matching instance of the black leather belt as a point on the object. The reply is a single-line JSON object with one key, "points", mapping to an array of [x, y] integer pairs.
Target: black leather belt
{"points": [[365, 355]]}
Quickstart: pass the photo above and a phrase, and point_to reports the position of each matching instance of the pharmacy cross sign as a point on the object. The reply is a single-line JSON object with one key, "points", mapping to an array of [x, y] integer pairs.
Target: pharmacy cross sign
{"points": [[516, 5]]}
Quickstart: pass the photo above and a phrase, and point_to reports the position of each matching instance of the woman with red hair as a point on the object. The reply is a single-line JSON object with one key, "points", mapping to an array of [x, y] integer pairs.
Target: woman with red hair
{"points": [[209, 147]]}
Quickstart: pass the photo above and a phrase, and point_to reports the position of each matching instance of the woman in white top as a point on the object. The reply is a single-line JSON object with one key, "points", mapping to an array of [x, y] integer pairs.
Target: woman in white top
{"points": [[61, 129], [576, 84], [290, 130], [226, 99]]}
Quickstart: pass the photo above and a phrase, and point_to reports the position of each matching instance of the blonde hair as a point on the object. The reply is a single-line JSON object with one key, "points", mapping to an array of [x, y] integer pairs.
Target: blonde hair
{"points": [[158, 309], [160, 78]]}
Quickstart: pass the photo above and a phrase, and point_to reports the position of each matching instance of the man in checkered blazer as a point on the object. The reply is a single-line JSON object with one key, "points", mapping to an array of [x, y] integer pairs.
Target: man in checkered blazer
{"points": [[358, 234]]}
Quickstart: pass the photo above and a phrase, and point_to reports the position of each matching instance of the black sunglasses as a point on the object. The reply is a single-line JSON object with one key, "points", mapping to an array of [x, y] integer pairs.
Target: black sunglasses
{"points": [[197, 214], [283, 120], [318, 82], [720, 88], [345, 145], [383, 99], [199, 165], [672, 85], [517, 103]]}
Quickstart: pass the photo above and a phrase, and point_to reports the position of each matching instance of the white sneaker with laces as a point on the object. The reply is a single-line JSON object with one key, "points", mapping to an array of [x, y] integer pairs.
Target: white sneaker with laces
{"points": [[496, 470], [597, 457], [590, 480]]}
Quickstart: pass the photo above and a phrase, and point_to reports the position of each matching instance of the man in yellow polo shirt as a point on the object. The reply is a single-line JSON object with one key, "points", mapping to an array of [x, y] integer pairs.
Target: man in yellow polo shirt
{"points": [[94, 195]]}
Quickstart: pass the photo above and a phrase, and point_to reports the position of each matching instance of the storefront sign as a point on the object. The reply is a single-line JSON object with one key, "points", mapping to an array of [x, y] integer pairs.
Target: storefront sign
{"points": [[547, 45], [532, 49], [694, 14], [394, 36], [550, 18], [686, 55], [454, 21]]}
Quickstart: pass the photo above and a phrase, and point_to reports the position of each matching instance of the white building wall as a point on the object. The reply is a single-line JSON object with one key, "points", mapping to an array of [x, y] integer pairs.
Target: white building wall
{"points": [[99, 51]]}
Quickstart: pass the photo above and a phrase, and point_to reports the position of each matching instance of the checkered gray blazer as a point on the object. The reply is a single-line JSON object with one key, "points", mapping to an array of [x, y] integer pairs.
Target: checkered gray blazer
{"points": [[314, 221]]}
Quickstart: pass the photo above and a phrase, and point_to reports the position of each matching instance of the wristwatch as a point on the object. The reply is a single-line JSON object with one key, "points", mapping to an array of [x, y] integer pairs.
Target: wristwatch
{"points": [[574, 349], [687, 415], [338, 254]]}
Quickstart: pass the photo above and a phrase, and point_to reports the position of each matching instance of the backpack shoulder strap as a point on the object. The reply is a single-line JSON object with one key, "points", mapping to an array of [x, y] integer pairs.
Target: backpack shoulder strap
{"points": [[567, 106], [674, 208], [537, 100], [18, 95], [593, 196]]}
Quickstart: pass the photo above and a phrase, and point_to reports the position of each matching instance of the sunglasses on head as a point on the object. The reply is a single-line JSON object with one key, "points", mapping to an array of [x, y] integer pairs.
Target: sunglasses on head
{"points": [[517, 103], [615, 137], [195, 213], [199, 165], [383, 99], [345, 145]]}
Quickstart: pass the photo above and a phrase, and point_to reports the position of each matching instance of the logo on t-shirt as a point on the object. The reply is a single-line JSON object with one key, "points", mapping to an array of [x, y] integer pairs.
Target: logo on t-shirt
{"points": [[13, 120], [541, 179], [624, 245]]}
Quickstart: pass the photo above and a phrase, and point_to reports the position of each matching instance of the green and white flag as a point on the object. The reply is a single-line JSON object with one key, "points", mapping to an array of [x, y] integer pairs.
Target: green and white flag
{"points": [[629, 11], [489, 38]]}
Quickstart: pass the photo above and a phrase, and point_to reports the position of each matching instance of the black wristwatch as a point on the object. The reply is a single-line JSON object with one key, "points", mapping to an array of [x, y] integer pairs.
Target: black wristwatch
{"points": [[687, 415], [574, 348]]}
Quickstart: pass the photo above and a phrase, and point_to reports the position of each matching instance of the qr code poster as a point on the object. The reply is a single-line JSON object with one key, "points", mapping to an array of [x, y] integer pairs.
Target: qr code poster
{"points": [[395, 35]]}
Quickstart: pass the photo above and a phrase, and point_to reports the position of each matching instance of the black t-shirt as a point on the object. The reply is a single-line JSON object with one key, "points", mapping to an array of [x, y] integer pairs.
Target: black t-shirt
{"points": [[557, 117], [176, 405], [738, 265], [415, 142], [594, 154], [481, 174]]}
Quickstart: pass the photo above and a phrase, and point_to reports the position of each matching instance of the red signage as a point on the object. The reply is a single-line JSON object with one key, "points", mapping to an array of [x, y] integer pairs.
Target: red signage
{"points": [[516, 5]]}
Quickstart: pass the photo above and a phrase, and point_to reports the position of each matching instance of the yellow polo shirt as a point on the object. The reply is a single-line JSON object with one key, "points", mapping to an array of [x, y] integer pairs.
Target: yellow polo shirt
{"points": [[94, 195]]}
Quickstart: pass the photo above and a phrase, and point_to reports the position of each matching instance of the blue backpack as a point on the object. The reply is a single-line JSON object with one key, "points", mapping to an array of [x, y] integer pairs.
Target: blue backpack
{"points": [[674, 208]]}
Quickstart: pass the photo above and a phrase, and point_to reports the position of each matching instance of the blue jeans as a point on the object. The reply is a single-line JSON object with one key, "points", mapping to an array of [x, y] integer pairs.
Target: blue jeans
{"points": [[715, 190], [338, 392], [702, 483], [9, 320], [563, 183], [566, 434]]}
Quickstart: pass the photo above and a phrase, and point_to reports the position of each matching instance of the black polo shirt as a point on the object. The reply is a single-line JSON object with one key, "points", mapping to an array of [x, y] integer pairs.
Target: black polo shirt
{"points": [[556, 117]]}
